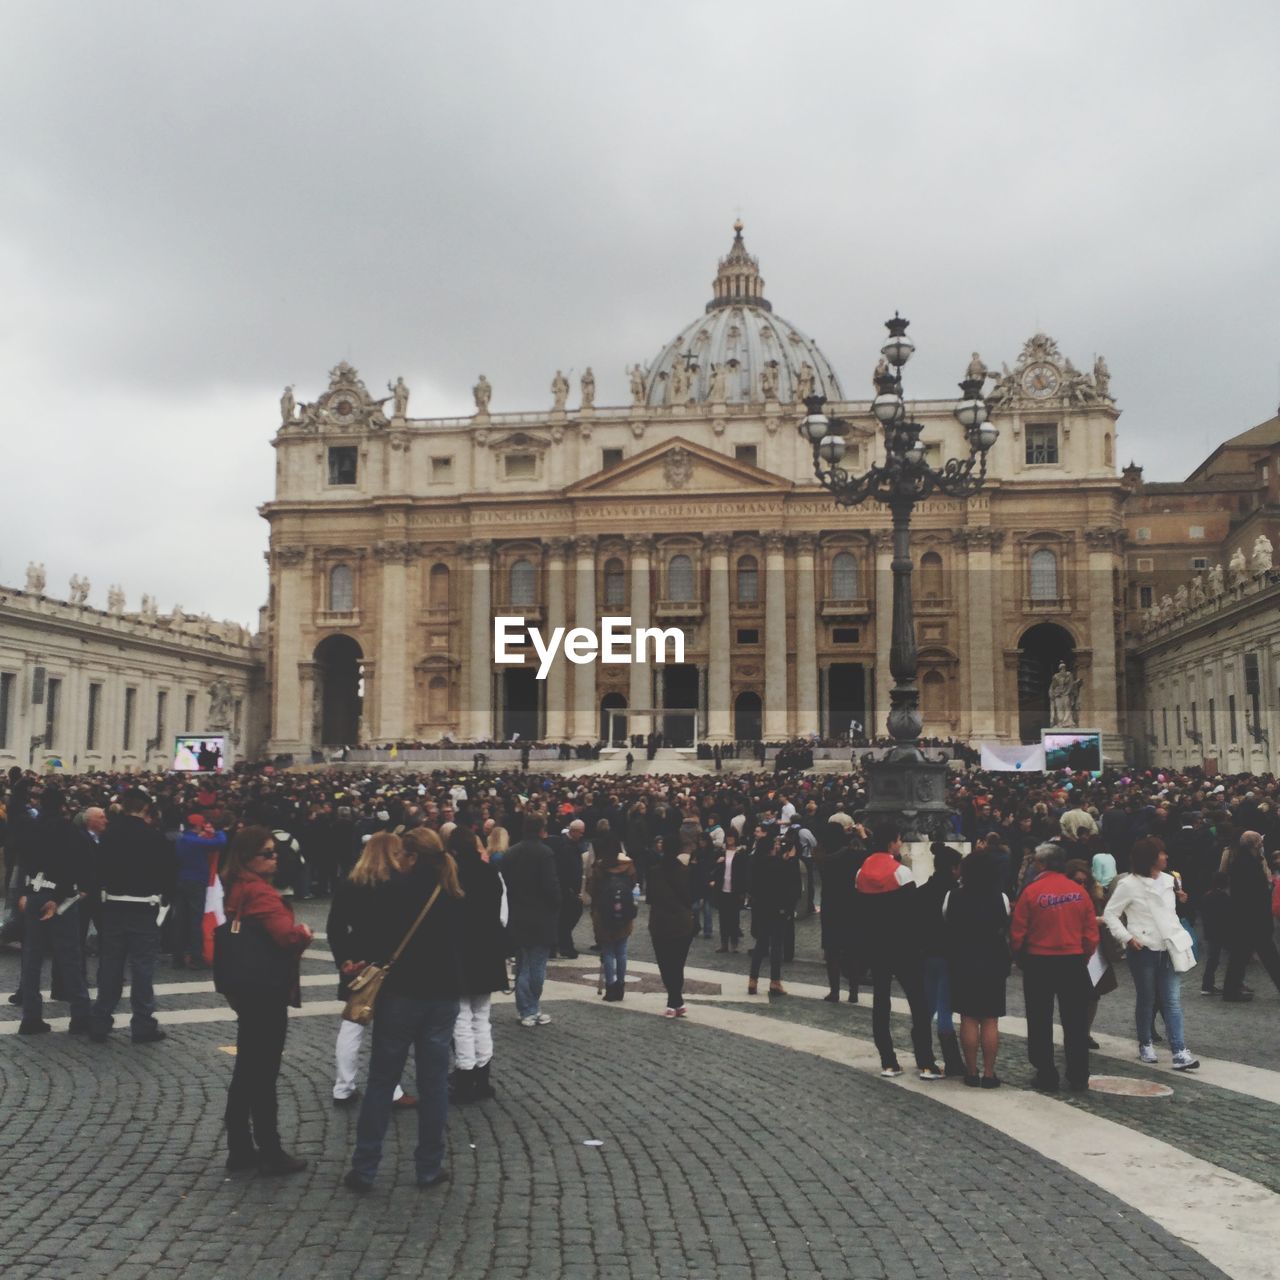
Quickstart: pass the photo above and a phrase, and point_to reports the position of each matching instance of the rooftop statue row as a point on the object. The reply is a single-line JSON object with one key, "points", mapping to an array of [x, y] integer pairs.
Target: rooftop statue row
{"points": [[1212, 589]]}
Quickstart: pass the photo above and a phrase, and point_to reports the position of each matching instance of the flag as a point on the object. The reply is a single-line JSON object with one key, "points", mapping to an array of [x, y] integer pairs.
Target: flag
{"points": [[214, 914], [395, 752]]}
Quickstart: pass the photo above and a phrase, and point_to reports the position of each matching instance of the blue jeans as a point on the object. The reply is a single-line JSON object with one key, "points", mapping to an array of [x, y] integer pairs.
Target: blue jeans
{"points": [[613, 955], [937, 993], [531, 973], [401, 1024], [127, 931], [1153, 971], [189, 933], [703, 913], [59, 938]]}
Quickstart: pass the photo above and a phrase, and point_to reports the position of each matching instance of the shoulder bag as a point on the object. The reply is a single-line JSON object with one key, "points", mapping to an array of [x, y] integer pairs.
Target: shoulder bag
{"points": [[246, 961], [364, 987]]}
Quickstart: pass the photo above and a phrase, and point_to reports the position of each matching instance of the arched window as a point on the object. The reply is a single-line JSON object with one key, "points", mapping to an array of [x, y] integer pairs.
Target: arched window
{"points": [[438, 699], [438, 587], [1044, 575], [933, 696], [615, 582], [680, 579], [844, 576], [523, 583], [342, 589], [931, 576], [748, 580]]}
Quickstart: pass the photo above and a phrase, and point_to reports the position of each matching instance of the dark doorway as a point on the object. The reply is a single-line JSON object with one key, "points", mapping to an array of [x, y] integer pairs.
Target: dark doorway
{"points": [[747, 717], [520, 703], [613, 702], [679, 692], [1040, 650], [338, 684], [846, 698]]}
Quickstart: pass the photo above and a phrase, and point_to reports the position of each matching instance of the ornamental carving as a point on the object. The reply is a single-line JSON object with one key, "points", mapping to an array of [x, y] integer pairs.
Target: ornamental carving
{"points": [[677, 468], [1105, 538], [980, 539], [1044, 376], [288, 557], [639, 544], [806, 543], [718, 544], [882, 539], [396, 552], [775, 540], [584, 544], [346, 405]]}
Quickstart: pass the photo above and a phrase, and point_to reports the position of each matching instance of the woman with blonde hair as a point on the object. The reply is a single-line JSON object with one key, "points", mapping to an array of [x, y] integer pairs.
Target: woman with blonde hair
{"points": [[383, 855], [497, 843]]}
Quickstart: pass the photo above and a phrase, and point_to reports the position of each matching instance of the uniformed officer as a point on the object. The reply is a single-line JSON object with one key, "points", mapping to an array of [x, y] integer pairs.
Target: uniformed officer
{"points": [[54, 858], [137, 869]]}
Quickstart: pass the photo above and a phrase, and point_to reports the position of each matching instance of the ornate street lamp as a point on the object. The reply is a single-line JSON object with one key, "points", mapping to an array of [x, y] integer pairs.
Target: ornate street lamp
{"points": [[904, 784]]}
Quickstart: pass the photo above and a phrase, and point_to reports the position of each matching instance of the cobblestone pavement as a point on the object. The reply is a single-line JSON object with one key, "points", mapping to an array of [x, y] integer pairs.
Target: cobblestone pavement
{"points": [[722, 1156]]}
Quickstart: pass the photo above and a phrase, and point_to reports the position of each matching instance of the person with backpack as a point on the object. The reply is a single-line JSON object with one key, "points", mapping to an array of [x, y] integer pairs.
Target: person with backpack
{"points": [[611, 884]]}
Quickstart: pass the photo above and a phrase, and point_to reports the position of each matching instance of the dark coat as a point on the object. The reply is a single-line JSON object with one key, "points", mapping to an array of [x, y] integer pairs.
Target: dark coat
{"points": [[136, 859], [775, 889], [740, 884], [597, 886], [671, 901], [533, 894], [340, 927], [484, 947]]}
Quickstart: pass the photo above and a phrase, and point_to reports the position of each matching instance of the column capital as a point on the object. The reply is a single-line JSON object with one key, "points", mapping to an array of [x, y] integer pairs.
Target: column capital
{"points": [[1105, 538], [395, 552], [979, 539], [476, 549], [775, 540], [882, 539], [584, 544], [806, 543], [557, 548], [640, 544], [288, 557], [718, 543]]}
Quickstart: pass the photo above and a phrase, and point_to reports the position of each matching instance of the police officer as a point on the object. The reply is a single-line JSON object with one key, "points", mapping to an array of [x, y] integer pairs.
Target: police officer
{"points": [[137, 869], [54, 858]]}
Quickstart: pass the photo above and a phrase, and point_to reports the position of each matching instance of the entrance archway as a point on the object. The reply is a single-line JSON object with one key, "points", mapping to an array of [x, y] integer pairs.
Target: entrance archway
{"points": [[338, 660], [679, 693], [846, 700], [612, 702], [1040, 650], [747, 716], [520, 703]]}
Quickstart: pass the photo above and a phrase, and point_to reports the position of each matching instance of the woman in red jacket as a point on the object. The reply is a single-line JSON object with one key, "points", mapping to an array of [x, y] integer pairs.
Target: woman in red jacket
{"points": [[253, 1138]]}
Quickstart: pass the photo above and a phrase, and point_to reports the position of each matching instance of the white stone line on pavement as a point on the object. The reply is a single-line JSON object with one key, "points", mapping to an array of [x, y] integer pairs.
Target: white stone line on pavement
{"points": [[1226, 1218]]}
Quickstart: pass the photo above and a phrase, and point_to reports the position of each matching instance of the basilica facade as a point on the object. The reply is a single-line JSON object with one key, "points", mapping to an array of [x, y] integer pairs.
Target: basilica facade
{"points": [[395, 540]]}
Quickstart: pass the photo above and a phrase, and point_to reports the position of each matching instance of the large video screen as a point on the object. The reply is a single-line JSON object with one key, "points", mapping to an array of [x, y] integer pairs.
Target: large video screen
{"points": [[199, 753], [1079, 750]]}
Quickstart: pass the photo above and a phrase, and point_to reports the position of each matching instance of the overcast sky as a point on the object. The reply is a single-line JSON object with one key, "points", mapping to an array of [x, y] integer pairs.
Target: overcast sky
{"points": [[204, 202]]}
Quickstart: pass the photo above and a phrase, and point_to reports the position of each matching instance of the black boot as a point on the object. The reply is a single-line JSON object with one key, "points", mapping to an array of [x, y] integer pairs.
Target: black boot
{"points": [[483, 1089], [952, 1059], [464, 1086]]}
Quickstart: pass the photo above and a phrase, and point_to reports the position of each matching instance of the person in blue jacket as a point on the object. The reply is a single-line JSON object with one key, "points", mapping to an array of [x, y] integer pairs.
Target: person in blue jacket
{"points": [[193, 848]]}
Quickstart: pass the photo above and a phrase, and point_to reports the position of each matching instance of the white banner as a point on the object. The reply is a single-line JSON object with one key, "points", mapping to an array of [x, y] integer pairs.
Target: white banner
{"points": [[1007, 757]]}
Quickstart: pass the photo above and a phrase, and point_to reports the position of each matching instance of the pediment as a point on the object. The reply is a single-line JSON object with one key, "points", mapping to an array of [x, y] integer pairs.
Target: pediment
{"points": [[679, 466]]}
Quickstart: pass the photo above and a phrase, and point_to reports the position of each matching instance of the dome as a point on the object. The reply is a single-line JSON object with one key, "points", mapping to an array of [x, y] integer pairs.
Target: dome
{"points": [[741, 336]]}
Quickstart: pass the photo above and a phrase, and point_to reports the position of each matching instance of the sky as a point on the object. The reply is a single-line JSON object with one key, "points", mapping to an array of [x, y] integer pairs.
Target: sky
{"points": [[205, 202]]}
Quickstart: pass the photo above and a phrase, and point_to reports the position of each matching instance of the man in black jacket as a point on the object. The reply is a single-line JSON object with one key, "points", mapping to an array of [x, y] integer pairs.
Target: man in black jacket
{"points": [[569, 847], [138, 871], [54, 858], [533, 909]]}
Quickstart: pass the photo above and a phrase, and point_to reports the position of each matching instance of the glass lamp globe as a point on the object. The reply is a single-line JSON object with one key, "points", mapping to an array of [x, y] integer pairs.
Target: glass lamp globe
{"points": [[969, 413], [815, 427], [886, 407], [987, 436], [832, 448], [914, 455], [897, 351]]}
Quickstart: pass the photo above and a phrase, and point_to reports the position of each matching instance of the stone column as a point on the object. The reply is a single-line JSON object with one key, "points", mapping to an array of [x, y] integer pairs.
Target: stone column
{"points": [[980, 610], [479, 656], [640, 692], [393, 641], [719, 727], [309, 699], [807, 720], [1099, 712], [585, 726], [557, 616], [882, 539], [775, 637], [293, 612]]}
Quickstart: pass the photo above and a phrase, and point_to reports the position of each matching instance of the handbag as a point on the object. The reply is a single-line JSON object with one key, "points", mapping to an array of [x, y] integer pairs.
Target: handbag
{"points": [[1181, 948], [364, 987], [246, 961]]}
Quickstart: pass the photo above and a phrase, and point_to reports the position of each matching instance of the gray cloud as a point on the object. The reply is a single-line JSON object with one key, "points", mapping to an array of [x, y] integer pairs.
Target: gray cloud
{"points": [[203, 203]]}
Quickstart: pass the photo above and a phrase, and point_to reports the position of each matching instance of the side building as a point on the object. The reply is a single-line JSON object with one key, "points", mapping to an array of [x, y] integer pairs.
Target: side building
{"points": [[395, 541]]}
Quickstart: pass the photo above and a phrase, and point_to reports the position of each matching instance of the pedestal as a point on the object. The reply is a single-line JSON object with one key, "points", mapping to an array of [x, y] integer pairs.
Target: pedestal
{"points": [[911, 790]]}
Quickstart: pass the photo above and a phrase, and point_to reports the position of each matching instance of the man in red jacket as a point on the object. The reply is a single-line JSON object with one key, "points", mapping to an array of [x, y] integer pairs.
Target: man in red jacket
{"points": [[1054, 933]]}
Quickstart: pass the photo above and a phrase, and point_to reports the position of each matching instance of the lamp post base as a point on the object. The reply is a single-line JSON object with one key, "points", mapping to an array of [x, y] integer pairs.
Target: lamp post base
{"points": [[907, 788]]}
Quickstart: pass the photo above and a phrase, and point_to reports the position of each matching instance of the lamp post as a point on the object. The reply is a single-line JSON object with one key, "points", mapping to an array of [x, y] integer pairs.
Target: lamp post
{"points": [[904, 785]]}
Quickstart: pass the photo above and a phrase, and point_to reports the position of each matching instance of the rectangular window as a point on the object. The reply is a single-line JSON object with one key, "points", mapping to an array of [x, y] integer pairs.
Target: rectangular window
{"points": [[745, 453], [52, 705], [749, 635], [6, 705], [162, 712], [342, 464], [1213, 723], [130, 711], [95, 715], [441, 470], [520, 466], [609, 458], [1231, 717], [1144, 597], [1164, 726], [1177, 723], [1144, 535], [1199, 562], [1253, 688], [844, 635], [189, 714], [1196, 532], [1146, 564], [1042, 444], [933, 453]]}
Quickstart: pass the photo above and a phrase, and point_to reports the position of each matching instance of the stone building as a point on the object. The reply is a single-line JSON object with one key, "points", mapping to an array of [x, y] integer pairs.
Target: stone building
{"points": [[394, 540], [110, 689]]}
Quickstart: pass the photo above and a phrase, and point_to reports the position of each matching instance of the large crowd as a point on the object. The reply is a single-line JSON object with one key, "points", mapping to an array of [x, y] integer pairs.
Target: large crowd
{"points": [[439, 881]]}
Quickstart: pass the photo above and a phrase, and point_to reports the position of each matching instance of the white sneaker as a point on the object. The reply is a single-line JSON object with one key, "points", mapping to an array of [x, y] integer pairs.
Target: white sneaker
{"points": [[1147, 1054], [1184, 1061], [530, 1021], [891, 1071], [668, 1013], [542, 1019]]}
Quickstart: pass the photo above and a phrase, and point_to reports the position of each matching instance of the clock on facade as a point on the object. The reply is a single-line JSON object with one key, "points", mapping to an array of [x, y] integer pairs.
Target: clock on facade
{"points": [[1040, 380]]}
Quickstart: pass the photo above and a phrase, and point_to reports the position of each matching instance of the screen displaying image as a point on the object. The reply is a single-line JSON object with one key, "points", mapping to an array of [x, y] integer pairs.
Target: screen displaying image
{"points": [[1079, 750], [199, 753]]}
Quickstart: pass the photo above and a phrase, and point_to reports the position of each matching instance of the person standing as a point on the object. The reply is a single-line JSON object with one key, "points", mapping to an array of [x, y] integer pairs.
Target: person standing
{"points": [[261, 1005], [193, 850], [138, 873], [1054, 933], [1249, 884], [533, 907], [611, 885], [775, 889], [937, 974], [53, 870], [569, 848], [729, 887], [889, 932], [841, 853], [671, 922]]}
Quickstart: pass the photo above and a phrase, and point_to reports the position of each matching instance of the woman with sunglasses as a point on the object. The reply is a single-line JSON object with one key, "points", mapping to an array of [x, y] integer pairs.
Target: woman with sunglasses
{"points": [[253, 1135]]}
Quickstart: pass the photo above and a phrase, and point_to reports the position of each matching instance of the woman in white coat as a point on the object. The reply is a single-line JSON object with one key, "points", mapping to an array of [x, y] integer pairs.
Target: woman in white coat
{"points": [[1143, 917]]}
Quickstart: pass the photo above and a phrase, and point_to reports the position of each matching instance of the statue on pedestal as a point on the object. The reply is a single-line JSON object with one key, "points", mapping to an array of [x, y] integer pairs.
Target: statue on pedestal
{"points": [[1261, 556], [1064, 698], [115, 599], [804, 382], [1237, 567], [769, 380], [287, 406], [147, 610], [79, 589], [1102, 378], [35, 578], [719, 384], [559, 392], [635, 376], [1181, 599], [976, 370], [588, 388], [1166, 608], [221, 704], [482, 391], [1215, 581], [1197, 591], [678, 384], [400, 397]]}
